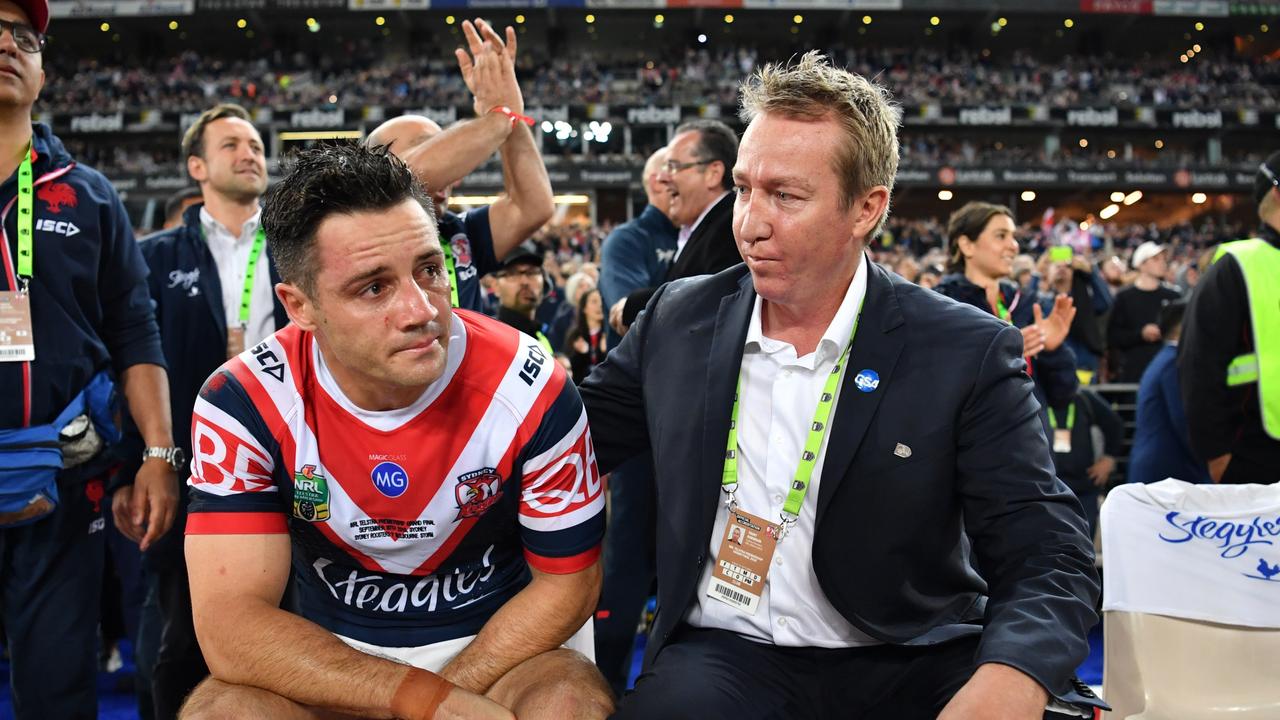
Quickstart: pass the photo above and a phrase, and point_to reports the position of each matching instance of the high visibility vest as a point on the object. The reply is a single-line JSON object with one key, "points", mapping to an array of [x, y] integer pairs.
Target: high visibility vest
{"points": [[1260, 263]]}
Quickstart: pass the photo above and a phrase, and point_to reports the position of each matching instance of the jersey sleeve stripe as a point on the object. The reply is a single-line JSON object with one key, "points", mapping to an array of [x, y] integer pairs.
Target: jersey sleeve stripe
{"points": [[237, 523], [564, 565], [571, 437]]}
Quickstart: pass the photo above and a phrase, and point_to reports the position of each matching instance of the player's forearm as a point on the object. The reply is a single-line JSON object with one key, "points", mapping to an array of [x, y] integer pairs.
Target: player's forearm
{"points": [[256, 644], [453, 154], [525, 179], [146, 390], [538, 619]]}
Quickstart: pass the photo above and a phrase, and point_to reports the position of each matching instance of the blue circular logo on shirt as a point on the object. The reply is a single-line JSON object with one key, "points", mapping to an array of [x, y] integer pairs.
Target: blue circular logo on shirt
{"points": [[867, 380], [390, 479]]}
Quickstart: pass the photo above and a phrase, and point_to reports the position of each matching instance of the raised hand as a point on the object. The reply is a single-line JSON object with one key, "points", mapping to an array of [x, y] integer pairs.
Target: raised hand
{"points": [[1058, 324], [488, 67]]}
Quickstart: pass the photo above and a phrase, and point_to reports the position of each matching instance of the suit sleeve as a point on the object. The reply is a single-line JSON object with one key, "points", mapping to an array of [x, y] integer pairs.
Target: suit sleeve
{"points": [[1028, 533], [614, 395], [129, 325], [1212, 335]]}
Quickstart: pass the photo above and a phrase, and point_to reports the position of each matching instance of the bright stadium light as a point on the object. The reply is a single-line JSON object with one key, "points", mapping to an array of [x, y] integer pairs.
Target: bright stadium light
{"points": [[702, 39], [547, 126], [1111, 154], [1117, 196], [1002, 22], [1199, 27], [173, 24], [935, 20], [519, 19], [1109, 211], [1196, 47], [1183, 57], [659, 19], [866, 19], [1084, 143], [590, 18], [1133, 197], [1028, 195], [1084, 224], [1159, 144], [728, 19], [797, 19], [379, 21], [1068, 23], [105, 27], [242, 23], [1199, 198], [449, 20], [945, 195]]}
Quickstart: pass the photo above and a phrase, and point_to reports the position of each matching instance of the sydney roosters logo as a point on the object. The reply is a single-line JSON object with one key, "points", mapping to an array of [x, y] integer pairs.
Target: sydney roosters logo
{"points": [[56, 195], [477, 491]]}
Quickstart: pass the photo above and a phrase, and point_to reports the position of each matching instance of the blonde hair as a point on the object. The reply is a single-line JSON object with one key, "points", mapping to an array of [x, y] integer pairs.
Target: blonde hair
{"points": [[812, 89]]}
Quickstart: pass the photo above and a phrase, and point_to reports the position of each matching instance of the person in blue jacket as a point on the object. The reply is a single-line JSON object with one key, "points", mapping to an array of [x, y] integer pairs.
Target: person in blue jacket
{"points": [[983, 247], [212, 281], [75, 320], [1161, 441]]}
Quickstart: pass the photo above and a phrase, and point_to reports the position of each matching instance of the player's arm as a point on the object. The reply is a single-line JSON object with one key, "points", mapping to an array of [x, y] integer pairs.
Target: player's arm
{"points": [[541, 617], [452, 154]]}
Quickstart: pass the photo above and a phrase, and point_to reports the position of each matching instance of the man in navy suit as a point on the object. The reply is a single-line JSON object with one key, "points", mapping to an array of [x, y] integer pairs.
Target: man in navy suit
{"points": [[909, 552]]}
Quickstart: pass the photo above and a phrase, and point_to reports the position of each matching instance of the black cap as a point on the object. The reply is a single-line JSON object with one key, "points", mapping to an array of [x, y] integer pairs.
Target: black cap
{"points": [[526, 253], [1267, 177]]}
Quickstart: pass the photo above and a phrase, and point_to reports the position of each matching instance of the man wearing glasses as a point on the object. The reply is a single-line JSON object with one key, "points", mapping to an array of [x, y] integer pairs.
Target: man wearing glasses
{"points": [[697, 175], [1229, 357], [519, 284], [74, 316]]}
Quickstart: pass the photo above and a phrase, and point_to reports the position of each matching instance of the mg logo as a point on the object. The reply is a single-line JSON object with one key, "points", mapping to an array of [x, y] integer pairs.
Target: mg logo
{"points": [[390, 479]]}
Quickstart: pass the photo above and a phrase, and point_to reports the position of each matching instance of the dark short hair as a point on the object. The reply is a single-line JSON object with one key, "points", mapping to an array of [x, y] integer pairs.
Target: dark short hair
{"points": [[969, 221], [326, 180], [193, 138], [717, 142], [1170, 318], [174, 204]]}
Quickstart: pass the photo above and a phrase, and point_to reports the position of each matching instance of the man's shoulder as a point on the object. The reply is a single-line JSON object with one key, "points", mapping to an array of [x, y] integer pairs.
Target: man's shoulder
{"points": [[162, 241]]}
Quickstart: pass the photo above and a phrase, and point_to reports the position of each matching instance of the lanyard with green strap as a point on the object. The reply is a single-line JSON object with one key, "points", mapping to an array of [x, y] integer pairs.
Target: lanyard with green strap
{"points": [[26, 222], [246, 293], [453, 272], [1001, 311], [1071, 418], [813, 443]]}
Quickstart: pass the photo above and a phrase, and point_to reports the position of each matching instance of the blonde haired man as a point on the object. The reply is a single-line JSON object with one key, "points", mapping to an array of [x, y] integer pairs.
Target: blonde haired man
{"points": [[870, 437]]}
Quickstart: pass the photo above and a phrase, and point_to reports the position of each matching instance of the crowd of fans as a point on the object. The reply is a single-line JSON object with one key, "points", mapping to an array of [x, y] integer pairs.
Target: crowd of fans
{"points": [[362, 75]]}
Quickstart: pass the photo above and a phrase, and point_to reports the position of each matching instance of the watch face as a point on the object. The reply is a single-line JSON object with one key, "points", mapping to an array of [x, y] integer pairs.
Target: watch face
{"points": [[179, 458]]}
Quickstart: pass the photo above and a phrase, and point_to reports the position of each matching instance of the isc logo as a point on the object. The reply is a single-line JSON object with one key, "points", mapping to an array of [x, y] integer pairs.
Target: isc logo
{"points": [[390, 479]]}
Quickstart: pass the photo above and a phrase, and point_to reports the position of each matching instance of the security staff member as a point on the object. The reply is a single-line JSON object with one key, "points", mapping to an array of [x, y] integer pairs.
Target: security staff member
{"points": [[520, 283], [1229, 362]]}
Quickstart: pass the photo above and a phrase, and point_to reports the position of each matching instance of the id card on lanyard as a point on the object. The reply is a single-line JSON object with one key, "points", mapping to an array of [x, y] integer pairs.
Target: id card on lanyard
{"points": [[17, 338], [1062, 435], [236, 333], [747, 546]]}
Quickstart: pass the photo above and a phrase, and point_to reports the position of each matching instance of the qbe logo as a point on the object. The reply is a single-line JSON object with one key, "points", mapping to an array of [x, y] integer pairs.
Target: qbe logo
{"points": [[390, 479]]}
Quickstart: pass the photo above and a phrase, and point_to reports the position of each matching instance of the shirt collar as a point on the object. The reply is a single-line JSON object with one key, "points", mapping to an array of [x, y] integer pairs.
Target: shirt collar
{"points": [[214, 228], [837, 333]]}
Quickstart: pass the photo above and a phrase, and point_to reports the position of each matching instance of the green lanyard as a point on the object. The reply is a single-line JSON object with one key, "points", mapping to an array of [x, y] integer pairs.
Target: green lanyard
{"points": [[453, 272], [808, 458], [246, 294], [26, 221], [1071, 418], [1001, 312], [543, 341]]}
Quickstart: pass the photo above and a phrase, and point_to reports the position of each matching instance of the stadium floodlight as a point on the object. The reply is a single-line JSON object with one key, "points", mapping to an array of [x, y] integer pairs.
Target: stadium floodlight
{"points": [[659, 19], [1199, 198], [519, 19], [379, 21], [1028, 195], [1109, 211], [935, 20], [1159, 144], [1199, 27], [105, 27], [1084, 143], [702, 39], [1068, 23], [173, 24], [797, 19], [242, 23], [1196, 47], [1117, 196], [1184, 57], [547, 126], [449, 20], [1002, 22], [590, 18], [945, 195], [728, 19], [1133, 197], [866, 19]]}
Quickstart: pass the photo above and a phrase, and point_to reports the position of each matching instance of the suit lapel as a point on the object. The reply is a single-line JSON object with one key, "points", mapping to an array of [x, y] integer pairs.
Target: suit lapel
{"points": [[711, 225], [724, 362], [876, 347]]}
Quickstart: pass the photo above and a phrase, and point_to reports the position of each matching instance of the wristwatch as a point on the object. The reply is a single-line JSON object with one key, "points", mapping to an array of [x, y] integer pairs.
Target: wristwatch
{"points": [[172, 455]]}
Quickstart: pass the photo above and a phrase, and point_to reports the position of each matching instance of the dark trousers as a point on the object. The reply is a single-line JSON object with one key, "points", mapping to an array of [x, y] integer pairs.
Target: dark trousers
{"points": [[628, 568], [714, 674], [180, 665], [50, 585]]}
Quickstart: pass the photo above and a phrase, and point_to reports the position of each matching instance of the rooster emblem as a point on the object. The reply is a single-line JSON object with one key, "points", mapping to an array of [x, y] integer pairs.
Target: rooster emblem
{"points": [[56, 195], [1268, 572]]}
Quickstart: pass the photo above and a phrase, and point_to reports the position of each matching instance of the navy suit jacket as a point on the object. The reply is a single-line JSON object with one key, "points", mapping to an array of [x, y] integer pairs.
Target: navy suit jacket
{"points": [[972, 533]]}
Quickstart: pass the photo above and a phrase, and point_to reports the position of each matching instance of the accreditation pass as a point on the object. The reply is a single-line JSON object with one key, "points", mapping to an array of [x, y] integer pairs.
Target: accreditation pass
{"points": [[742, 565], [17, 343]]}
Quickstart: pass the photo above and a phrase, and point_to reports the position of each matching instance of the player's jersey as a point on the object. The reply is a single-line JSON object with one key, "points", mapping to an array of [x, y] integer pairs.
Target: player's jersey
{"points": [[412, 526]]}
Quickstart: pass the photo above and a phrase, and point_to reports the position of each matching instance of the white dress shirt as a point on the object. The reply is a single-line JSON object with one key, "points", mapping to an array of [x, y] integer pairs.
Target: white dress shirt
{"points": [[231, 255], [778, 397], [682, 237]]}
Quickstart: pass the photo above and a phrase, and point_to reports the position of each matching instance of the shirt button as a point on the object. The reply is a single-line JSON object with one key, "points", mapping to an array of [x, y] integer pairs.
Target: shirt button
{"points": [[777, 560], [782, 621], [777, 498]]}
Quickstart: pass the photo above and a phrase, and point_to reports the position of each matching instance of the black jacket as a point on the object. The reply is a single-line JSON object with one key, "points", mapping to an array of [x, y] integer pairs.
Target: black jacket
{"points": [[1222, 419], [970, 534], [187, 293], [710, 249]]}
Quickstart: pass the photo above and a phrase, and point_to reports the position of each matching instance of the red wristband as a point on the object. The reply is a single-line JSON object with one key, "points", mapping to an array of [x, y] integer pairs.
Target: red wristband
{"points": [[515, 116], [419, 694]]}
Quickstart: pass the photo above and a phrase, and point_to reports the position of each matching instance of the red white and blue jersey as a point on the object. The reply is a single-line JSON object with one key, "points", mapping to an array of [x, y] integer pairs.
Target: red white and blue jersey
{"points": [[412, 526]]}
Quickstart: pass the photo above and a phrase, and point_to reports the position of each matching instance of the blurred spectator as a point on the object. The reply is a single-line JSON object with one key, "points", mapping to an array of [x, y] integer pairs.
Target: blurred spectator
{"points": [[177, 204], [519, 284], [585, 344], [1132, 333], [1087, 438]]}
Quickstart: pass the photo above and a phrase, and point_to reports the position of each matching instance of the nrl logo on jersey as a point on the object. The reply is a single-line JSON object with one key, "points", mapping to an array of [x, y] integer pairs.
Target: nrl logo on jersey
{"points": [[310, 495], [477, 491]]}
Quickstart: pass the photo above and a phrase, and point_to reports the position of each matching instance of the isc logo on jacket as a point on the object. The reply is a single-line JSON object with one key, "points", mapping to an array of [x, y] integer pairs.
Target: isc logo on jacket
{"points": [[60, 227]]}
